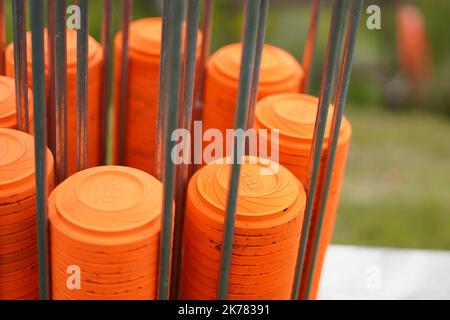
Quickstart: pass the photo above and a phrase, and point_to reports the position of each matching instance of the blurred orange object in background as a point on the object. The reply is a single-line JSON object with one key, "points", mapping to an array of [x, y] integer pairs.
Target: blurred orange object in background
{"points": [[412, 41]]}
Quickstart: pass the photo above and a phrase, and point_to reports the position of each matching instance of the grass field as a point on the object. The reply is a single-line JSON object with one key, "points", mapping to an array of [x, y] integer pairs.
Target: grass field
{"points": [[397, 188]]}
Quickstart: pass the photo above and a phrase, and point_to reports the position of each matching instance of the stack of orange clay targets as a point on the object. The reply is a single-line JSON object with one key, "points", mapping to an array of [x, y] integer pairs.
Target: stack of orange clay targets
{"points": [[142, 92], [18, 238], [105, 222], [295, 115], [280, 73], [104, 230], [8, 104], [271, 203], [95, 61]]}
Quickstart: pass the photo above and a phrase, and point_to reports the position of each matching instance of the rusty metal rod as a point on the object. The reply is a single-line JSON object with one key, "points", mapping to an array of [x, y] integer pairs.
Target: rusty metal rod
{"points": [[82, 87], [40, 138], [51, 103], [252, 17], [163, 96], [175, 9], [184, 122], [2, 37], [20, 63], [107, 35], [127, 6], [308, 52], [60, 76], [258, 59], [329, 69], [206, 28]]}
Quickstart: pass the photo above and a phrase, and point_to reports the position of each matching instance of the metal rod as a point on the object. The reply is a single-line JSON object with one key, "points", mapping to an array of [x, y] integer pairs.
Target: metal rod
{"points": [[181, 173], [252, 14], [206, 28], [51, 103], [336, 27], [40, 138], [308, 53], [107, 35], [163, 96], [20, 63], [60, 76], [82, 85], [127, 6], [175, 13], [2, 37], [341, 100], [340, 49], [260, 40]]}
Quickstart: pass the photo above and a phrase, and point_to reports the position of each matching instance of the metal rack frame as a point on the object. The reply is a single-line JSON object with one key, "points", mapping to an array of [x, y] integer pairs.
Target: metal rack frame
{"points": [[178, 105]]}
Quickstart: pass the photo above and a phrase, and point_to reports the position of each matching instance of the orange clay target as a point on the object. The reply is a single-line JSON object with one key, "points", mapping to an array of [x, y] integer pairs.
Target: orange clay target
{"points": [[294, 115], [271, 202], [18, 238], [8, 104], [280, 73], [142, 95], [95, 65], [106, 221]]}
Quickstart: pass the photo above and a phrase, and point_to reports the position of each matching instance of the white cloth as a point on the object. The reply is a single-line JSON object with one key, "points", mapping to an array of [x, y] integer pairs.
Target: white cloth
{"points": [[380, 273]]}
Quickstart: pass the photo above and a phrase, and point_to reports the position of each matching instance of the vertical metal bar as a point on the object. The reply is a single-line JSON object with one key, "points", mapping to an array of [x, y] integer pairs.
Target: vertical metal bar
{"points": [[124, 69], [2, 37], [163, 97], [206, 28], [51, 106], [181, 173], [20, 63], [175, 13], [60, 76], [37, 27], [252, 14], [340, 47], [82, 83], [335, 33], [107, 34], [258, 57], [308, 53], [341, 100]]}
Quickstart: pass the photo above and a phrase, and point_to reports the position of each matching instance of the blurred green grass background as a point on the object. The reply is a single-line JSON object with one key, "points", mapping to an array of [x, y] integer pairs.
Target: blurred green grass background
{"points": [[397, 187]]}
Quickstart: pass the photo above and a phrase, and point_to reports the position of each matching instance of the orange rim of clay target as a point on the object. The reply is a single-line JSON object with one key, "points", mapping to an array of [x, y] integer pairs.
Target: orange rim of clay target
{"points": [[8, 104]]}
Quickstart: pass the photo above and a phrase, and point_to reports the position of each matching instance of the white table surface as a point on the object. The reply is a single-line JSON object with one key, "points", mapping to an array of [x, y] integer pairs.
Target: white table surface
{"points": [[380, 273]]}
